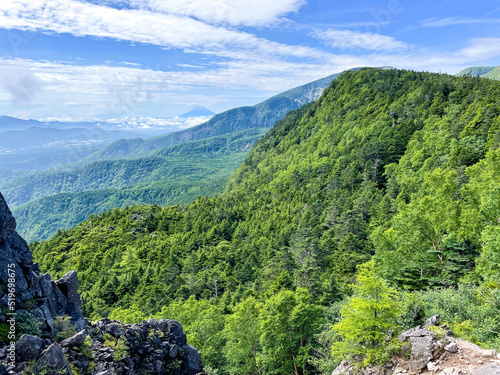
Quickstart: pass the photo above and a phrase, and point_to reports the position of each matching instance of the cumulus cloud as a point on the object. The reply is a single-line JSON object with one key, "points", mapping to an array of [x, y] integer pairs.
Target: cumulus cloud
{"points": [[354, 39]]}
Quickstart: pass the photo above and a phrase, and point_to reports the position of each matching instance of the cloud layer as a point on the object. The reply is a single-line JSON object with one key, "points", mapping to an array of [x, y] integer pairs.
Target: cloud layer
{"points": [[354, 39]]}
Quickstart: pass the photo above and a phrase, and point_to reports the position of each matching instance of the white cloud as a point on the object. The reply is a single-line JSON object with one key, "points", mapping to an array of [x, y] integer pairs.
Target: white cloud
{"points": [[137, 25], [232, 12], [451, 21], [481, 49], [354, 39]]}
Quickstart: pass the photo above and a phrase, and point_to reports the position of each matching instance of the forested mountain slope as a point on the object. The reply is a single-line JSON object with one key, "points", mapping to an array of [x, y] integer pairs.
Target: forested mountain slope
{"points": [[61, 199], [396, 166], [262, 115], [492, 72]]}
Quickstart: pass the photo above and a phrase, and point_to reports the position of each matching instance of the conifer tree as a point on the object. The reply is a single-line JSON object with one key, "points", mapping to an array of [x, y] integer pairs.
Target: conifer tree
{"points": [[367, 320]]}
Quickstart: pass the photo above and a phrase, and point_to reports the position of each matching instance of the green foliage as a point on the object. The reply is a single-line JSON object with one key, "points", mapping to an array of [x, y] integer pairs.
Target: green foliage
{"points": [[119, 346], [28, 324], [63, 328], [85, 349], [289, 322], [368, 320], [242, 331]]}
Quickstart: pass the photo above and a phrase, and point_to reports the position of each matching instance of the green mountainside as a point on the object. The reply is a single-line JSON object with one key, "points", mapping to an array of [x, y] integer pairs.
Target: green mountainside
{"points": [[262, 115], [397, 167], [492, 72], [47, 201]]}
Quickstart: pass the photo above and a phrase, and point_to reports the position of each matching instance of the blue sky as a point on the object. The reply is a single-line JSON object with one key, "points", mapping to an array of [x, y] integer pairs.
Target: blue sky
{"points": [[116, 59]]}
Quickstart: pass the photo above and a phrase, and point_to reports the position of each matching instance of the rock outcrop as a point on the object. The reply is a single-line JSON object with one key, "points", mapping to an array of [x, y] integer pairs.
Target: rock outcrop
{"points": [[102, 348], [432, 349], [36, 295]]}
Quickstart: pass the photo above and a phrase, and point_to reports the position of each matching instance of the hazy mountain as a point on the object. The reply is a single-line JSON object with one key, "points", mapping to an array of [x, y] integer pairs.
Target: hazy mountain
{"points": [[198, 112]]}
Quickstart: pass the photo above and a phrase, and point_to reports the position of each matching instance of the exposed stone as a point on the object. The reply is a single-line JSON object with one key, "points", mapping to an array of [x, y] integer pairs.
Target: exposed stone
{"points": [[421, 352], [345, 368], [68, 285], [28, 348], [432, 321], [414, 332], [7, 221], [487, 370], [53, 359], [451, 347], [75, 340], [192, 358]]}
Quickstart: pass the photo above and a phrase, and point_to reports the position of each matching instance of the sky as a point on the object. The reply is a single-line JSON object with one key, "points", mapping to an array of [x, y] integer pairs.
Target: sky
{"points": [[92, 60]]}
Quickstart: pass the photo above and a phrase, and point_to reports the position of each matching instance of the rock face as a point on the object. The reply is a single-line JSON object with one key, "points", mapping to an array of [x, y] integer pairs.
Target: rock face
{"points": [[36, 295], [157, 347]]}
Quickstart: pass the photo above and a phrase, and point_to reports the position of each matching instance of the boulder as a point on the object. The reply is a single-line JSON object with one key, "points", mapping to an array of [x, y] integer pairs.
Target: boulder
{"points": [[192, 359], [345, 368], [414, 332], [421, 352], [28, 348], [451, 347], [75, 340], [53, 359], [432, 321], [68, 285]]}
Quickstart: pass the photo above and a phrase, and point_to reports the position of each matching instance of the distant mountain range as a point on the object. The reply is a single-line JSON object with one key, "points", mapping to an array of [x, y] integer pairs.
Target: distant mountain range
{"points": [[263, 115], [491, 72], [27, 145]]}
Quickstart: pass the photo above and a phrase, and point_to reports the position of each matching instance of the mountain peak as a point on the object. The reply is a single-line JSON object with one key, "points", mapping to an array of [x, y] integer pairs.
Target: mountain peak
{"points": [[197, 112]]}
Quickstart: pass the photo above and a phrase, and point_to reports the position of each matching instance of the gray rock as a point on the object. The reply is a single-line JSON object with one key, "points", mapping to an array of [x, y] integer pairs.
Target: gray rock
{"points": [[432, 321], [193, 358], [7, 221], [451, 347], [68, 285], [75, 340], [28, 348], [414, 332], [487, 370], [421, 352], [53, 359], [173, 351], [176, 332], [345, 368]]}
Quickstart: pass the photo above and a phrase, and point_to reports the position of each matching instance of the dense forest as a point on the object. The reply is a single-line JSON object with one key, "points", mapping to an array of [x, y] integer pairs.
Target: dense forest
{"points": [[62, 198], [385, 190]]}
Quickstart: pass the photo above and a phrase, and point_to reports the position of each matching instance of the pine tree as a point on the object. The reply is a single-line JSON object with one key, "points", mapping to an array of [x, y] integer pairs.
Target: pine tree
{"points": [[368, 320]]}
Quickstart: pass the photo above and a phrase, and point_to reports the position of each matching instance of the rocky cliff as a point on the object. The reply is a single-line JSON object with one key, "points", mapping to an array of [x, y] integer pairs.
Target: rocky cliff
{"points": [[43, 331]]}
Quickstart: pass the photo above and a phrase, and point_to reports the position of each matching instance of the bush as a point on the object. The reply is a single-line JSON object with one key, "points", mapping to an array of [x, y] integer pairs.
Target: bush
{"points": [[63, 329]]}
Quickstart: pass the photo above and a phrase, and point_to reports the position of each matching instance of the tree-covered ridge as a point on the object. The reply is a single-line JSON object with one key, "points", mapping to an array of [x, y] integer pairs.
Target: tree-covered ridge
{"points": [[492, 72], [393, 165], [174, 175]]}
